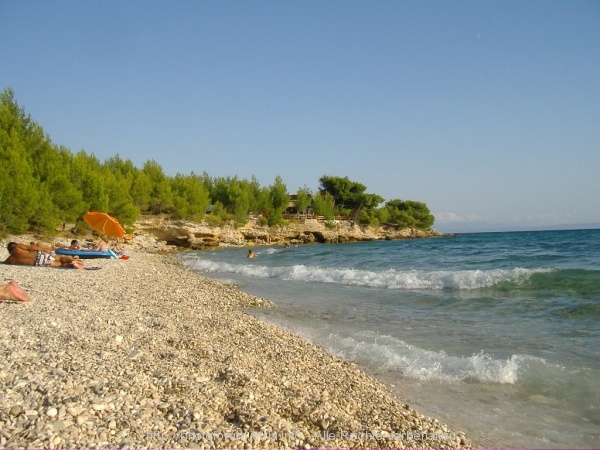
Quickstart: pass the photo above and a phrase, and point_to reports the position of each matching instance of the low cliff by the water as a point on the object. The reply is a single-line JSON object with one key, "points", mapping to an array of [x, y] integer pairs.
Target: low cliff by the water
{"points": [[167, 233]]}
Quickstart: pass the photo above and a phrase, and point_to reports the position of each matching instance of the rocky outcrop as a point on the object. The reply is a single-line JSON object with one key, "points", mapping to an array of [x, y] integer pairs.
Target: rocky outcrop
{"points": [[171, 234]]}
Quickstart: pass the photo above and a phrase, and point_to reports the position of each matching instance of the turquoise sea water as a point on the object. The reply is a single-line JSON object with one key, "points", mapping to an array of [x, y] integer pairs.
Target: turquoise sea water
{"points": [[496, 334]]}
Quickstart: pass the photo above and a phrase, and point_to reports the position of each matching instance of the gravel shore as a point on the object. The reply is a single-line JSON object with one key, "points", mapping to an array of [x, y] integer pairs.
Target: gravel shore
{"points": [[146, 353]]}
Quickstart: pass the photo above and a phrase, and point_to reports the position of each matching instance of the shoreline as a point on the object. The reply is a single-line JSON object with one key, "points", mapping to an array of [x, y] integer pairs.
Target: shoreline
{"points": [[147, 353]]}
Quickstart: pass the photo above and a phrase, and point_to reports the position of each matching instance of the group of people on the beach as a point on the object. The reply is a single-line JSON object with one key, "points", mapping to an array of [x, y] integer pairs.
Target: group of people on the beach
{"points": [[38, 254], [41, 255], [102, 245]]}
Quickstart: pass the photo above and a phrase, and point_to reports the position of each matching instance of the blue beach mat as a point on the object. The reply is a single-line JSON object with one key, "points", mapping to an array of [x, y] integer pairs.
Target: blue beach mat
{"points": [[87, 254]]}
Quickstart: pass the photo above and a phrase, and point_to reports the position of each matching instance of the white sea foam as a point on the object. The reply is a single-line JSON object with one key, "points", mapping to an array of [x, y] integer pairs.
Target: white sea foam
{"points": [[389, 279], [395, 355], [493, 330]]}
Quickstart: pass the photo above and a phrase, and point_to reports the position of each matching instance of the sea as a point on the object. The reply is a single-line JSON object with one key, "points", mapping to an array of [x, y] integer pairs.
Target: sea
{"points": [[494, 334]]}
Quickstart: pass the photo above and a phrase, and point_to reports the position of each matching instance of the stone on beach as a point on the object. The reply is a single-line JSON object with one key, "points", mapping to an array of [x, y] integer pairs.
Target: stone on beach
{"points": [[147, 353]]}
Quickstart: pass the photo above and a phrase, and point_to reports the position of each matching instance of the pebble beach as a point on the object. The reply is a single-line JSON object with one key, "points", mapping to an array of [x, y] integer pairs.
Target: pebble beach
{"points": [[146, 353]]}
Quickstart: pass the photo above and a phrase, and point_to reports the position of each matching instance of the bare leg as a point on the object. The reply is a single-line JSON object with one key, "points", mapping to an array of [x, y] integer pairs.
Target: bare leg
{"points": [[12, 291], [68, 261], [78, 264]]}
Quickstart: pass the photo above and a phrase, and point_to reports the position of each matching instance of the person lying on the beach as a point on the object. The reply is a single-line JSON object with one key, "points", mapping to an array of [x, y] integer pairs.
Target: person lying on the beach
{"points": [[39, 255], [12, 291]]}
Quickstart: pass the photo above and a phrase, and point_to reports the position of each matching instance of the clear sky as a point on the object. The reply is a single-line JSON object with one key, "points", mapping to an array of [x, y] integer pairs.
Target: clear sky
{"points": [[488, 111]]}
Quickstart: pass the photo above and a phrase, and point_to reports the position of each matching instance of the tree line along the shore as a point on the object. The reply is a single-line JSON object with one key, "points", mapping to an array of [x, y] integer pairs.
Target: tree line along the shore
{"points": [[43, 185]]}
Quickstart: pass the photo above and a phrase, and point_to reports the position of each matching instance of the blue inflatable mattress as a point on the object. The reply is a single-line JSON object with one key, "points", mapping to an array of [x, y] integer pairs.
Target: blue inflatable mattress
{"points": [[87, 254]]}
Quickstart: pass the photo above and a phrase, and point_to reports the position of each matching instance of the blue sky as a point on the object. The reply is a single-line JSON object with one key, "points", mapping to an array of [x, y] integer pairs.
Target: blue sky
{"points": [[488, 111]]}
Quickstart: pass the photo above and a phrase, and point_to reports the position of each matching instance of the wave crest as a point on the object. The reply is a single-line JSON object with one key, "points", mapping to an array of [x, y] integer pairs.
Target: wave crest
{"points": [[389, 279], [396, 355]]}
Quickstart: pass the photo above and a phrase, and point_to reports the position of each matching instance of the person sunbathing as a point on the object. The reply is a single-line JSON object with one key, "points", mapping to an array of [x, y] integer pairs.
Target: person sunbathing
{"points": [[12, 291], [39, 255], [103, 244]]}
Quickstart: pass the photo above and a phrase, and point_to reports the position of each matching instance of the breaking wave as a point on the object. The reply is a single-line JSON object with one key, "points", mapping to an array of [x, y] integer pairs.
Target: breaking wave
{"points": [[395, 355], [388, 279]]}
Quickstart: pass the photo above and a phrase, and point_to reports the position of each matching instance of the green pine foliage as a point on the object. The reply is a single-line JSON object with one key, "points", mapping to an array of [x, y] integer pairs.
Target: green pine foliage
{"points": [[21, 202], [279, 200], [407, 213], [43, 185], [190, 197], [324, 205], [304, 200]]}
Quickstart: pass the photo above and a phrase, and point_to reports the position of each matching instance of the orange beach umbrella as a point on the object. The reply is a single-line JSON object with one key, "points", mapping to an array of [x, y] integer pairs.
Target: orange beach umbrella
{"points": [[104, 224]]}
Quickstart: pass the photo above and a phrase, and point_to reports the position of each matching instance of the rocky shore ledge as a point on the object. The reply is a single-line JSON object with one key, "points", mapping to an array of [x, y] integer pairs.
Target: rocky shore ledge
{"points": [[198, 236], [145, 353]]}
